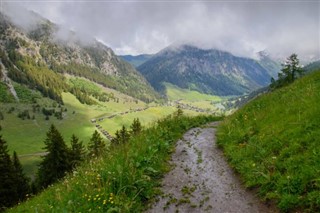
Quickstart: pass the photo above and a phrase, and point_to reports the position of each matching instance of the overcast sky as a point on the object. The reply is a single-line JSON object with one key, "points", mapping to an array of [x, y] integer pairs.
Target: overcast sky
{"points": [[241, 27]]}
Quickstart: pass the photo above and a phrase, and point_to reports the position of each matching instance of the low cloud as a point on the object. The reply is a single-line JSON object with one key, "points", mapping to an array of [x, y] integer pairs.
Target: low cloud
{"points": [[240, 27]]}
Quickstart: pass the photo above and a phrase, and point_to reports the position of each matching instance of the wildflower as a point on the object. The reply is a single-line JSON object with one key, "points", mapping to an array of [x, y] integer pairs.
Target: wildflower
{"points": [[104, 202]]}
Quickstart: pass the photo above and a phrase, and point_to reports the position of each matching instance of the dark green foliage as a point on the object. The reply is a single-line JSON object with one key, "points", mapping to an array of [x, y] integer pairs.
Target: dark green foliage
{"points": [[77, 152], [290, 72], [25, 94], [11, 110], [1, 116], [82, 96], [37, 76], [20, 179], [179, 111], [55, 163], [135, 127], [8, 189], [122, 136], [24, 114], [96, 146], [5, 95], [273, 142]]}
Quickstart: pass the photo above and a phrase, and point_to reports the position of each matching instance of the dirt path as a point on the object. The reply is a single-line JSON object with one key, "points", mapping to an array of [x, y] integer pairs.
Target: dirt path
{"points": [[202, 181]]}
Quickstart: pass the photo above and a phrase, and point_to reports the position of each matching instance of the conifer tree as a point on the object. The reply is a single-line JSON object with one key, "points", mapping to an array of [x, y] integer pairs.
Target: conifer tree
{"points": [[21, 181], [121, 137], [96, 145], [289, 72], [8, 189], [77, 151], [136, 127], [56, 163]]}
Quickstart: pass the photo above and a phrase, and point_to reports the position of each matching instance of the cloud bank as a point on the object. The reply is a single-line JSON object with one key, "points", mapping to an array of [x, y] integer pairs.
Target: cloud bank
{"points": [[240, 27]]}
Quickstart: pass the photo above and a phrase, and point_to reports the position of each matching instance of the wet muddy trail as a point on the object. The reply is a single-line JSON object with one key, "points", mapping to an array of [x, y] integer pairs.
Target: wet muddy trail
{"points": [[202, 181]]}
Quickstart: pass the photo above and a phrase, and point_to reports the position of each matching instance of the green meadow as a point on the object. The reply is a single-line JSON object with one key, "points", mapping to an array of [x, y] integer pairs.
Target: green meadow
{"points": [[273, 143]]}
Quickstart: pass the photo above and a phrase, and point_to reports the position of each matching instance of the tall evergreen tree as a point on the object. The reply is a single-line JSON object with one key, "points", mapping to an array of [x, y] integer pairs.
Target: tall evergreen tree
{"points": [[121, 137], [21, 181], [56, 163], [8, 189], [96, 145], [289, 72], [77, 151], [135, 127]]}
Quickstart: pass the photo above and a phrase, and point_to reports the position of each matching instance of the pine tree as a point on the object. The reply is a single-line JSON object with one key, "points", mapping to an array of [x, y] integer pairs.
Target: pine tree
{"points": [[121, 137], [20, 178], [289, 72], [136, 127], [96, 145], [8, 189], [77, 151], [56, 163]]}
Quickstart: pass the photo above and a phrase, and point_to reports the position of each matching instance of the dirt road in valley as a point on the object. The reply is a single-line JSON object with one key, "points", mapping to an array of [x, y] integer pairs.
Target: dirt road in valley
{"points": [[202, 181]]}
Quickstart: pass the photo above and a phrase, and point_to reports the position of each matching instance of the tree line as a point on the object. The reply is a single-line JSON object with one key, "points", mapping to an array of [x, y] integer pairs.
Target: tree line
{"points": [[58, 161]]}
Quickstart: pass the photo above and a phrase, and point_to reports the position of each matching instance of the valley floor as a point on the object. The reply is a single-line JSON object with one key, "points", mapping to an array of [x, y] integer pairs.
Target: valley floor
{"points": [[202, 180]]}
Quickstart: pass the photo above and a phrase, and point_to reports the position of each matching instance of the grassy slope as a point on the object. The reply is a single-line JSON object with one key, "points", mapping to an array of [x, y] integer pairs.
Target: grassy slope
{"points": [[176, 93], [273, 142], [125, 180]]}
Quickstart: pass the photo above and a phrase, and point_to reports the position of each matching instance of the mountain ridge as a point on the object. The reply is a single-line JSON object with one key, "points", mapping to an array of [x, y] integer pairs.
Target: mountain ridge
{"points": [[208, 71], [23, 53]]}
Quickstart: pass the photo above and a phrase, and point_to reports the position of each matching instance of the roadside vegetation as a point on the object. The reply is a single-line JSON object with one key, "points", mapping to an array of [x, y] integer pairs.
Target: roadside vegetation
{"points": [[273, 143], [127, 176]]}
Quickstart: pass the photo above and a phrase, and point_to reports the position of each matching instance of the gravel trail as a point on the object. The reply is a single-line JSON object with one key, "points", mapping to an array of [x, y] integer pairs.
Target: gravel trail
{"points": [[202, 181]]}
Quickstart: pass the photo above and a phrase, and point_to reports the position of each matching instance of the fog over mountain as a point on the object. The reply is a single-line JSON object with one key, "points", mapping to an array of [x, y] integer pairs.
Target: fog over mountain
{"points": [[134, 27]]}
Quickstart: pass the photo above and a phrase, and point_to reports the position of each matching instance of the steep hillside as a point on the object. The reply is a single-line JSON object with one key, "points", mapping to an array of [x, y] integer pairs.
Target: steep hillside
{"points": [[207, 71], [136, 60], [37, 57], [273, 142]]}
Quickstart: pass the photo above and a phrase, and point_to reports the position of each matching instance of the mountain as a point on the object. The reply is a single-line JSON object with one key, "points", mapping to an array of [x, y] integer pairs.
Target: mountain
{"points": [[136, 60], [207, 71], [313, 66], [272, 66], [40, 58]]}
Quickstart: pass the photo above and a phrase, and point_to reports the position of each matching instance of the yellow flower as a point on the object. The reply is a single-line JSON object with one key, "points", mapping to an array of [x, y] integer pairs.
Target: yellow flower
{"points": [[104, 202]]}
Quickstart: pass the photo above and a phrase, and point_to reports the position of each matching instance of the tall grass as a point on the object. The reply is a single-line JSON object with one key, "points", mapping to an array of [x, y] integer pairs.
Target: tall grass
{"points": [[274, 143], [125, 179]]}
